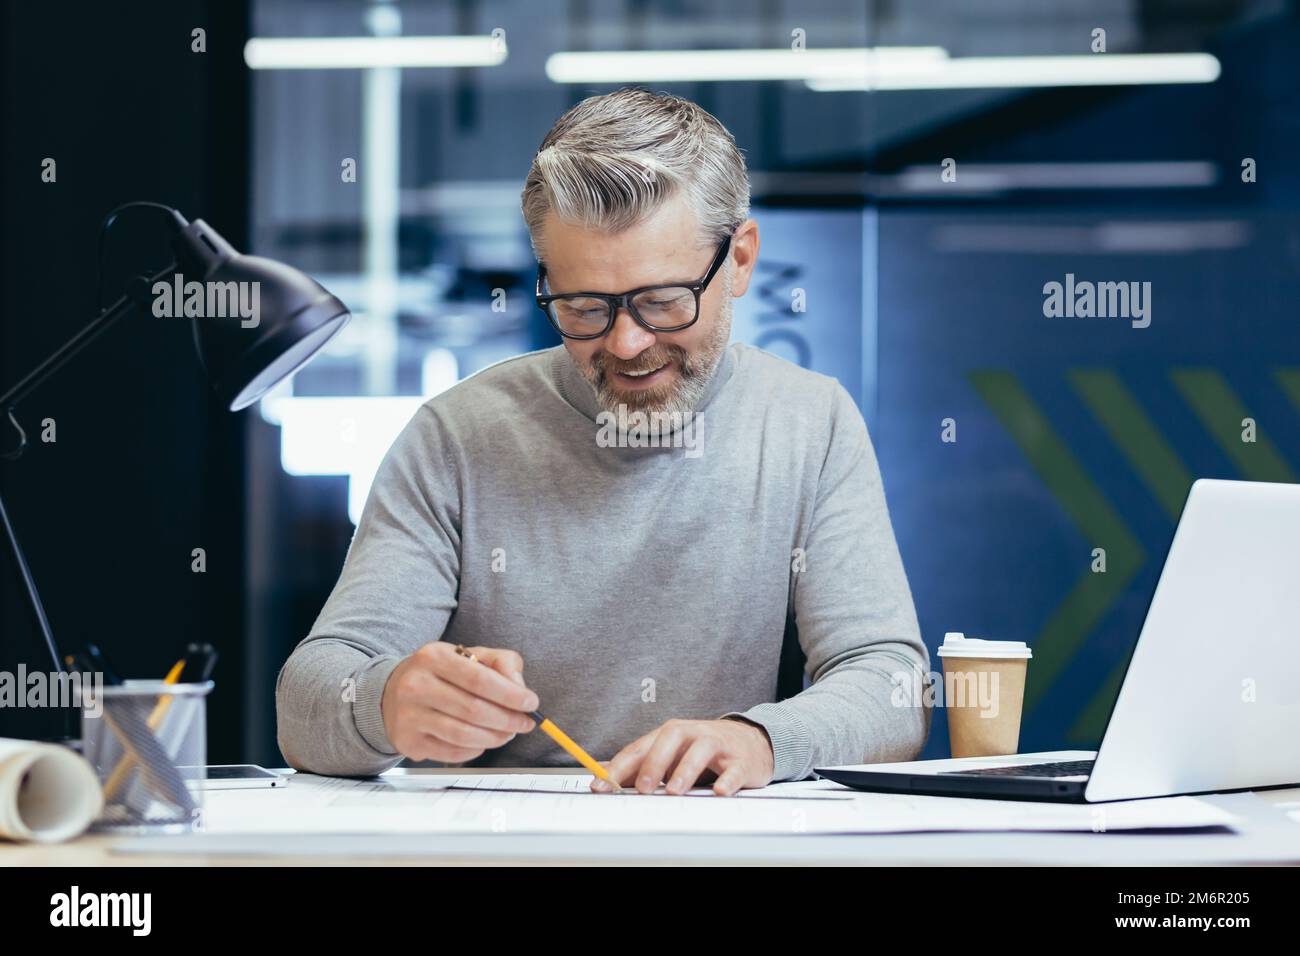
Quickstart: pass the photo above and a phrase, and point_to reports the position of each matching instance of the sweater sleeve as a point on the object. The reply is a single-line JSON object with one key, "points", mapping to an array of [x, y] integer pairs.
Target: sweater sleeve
{"points": [[856, 623], [396, 593]]}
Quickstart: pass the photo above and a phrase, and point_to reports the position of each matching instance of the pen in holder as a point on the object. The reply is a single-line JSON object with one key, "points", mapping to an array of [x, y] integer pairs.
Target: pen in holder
{"points": [[147, 741]]}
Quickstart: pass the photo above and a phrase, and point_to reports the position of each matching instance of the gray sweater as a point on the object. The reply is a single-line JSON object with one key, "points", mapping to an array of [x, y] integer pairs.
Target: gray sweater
{"points": [[639, 584]]}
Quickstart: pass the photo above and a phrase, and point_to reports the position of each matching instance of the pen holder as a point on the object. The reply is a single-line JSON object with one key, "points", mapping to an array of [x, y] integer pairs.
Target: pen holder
{"points": [[147, 741]]}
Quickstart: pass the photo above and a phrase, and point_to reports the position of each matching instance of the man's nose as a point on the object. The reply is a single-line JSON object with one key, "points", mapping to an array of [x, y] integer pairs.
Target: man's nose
{"points": [[626, 339]]}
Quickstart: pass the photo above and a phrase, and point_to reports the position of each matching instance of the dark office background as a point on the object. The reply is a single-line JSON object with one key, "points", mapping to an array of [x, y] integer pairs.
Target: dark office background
{"points": [[925, 300], [145, 467]]}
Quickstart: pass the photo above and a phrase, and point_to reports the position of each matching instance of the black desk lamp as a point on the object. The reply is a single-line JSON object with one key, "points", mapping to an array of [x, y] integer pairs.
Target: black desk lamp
{"points": [[296, 316]]}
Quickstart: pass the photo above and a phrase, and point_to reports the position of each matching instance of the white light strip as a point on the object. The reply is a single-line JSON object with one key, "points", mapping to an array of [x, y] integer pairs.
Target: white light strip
{"points": [[1007, 72], [1002, 177], [349, 435], [353, 53], [683, 66]]}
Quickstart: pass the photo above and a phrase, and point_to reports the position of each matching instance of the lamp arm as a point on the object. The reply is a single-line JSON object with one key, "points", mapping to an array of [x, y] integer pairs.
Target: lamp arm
{"points": [[136, 297], [29, 587]]}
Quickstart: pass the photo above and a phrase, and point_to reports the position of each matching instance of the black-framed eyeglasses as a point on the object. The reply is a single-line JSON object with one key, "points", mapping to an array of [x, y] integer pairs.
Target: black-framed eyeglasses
{"points": [[659, 308]]}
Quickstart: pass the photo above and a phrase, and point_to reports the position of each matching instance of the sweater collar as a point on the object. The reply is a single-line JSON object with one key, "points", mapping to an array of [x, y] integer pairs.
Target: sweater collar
{"points": [[578, 392]]}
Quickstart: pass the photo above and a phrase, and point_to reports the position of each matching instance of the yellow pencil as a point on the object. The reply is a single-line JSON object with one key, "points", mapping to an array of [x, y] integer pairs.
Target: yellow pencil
{"points": [[559, 736]]}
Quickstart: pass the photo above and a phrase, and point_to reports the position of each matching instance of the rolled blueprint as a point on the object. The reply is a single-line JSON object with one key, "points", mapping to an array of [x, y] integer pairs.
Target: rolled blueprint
{"points": [[47, 792]]}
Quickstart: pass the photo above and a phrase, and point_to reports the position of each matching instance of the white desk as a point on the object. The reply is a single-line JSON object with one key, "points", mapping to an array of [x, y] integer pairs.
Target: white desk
{"points": [[1267, 835]]}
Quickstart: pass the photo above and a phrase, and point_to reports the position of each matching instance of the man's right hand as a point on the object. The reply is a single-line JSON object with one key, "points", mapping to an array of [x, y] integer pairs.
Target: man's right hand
{"points": [[439, 705]]}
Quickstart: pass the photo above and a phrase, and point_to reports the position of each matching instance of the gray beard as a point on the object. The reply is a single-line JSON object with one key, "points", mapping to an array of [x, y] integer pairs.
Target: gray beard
{"points": [[694, 370]]}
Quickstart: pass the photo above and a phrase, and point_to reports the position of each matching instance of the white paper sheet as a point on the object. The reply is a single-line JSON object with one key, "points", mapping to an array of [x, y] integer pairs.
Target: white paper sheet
{"points": [[494, 803]]}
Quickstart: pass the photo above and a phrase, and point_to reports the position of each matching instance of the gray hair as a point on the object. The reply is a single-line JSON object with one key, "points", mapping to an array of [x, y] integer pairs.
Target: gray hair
{"points": [[613, 159]]}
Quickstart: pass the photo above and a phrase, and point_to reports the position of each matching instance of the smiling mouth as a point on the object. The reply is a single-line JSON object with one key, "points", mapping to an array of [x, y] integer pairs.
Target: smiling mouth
{"points": [[643, 373], [645, 381]]}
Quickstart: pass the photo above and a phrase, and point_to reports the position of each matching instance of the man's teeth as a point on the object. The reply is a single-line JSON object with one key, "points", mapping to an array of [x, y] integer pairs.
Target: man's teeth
{"points": [[640, 374]]}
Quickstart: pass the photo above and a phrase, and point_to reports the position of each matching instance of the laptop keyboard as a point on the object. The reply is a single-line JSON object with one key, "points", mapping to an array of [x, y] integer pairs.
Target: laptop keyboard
{"points": [[1063, 768]]}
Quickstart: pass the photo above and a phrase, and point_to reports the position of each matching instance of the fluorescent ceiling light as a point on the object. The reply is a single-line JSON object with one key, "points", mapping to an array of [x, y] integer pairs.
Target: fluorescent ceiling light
{"points": [[1003, 177], [1104, 238], [352, 53], [1002, 72], [682, 66]]}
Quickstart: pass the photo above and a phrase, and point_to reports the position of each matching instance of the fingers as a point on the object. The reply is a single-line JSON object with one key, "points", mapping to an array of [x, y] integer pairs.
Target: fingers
{"points": [[699, 757], [731, 779], [625, 763], [506, 662], [663, 753], [419, 725], [644, 762], [685, 753], [457, 732], [425, 747], [455, 719], [479, 711], [471, 676], [441, 706]]}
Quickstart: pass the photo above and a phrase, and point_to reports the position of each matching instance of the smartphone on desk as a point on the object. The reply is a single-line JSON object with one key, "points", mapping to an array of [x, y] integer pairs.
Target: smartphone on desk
{"points": [[238, 776]]}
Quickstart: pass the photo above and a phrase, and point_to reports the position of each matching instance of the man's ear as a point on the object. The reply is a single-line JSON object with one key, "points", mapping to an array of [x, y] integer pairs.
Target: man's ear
{"points": [[744, 253]]}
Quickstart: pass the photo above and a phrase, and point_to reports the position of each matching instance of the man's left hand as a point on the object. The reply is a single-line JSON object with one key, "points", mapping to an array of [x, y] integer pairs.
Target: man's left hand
{"points": [[734, 754]]}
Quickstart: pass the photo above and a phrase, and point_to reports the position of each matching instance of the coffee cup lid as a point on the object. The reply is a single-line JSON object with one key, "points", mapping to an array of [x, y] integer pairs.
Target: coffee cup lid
{"points": [[956, 644]]}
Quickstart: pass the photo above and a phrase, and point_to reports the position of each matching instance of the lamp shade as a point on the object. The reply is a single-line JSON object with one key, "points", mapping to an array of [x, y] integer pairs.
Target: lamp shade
{"points": [[246, 355]]}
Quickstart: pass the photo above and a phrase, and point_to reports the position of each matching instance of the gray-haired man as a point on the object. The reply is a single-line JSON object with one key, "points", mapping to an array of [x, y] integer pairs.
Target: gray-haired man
{"points": [[637, 590]]}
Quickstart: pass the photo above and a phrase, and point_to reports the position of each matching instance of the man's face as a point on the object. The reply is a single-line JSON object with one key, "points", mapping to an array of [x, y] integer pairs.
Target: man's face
{"points": [[631, 365]]}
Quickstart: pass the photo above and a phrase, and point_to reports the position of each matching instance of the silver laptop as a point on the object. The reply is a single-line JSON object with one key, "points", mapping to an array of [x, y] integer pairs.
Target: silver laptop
{"points": [[1211, 697]]}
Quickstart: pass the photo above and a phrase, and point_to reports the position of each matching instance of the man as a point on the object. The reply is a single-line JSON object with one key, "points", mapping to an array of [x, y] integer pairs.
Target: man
{"points": [[624, 527]]}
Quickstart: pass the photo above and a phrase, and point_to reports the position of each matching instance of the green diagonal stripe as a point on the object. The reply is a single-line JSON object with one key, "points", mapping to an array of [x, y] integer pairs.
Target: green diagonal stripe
{"points": [[1221, 412], [1289, 379], [1129, 427], [1091, 723], [1078, 615], [1161, 471]]}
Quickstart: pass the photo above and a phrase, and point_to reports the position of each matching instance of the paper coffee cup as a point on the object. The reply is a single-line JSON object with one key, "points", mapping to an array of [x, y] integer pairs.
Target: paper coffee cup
{"points": [[984, 690]]}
